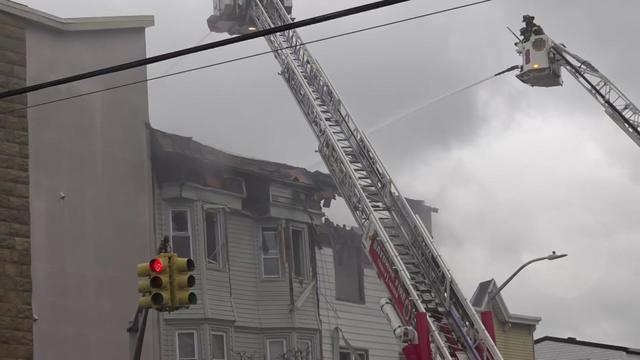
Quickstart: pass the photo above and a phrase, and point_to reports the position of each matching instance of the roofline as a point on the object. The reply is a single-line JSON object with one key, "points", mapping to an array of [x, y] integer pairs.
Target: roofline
{"points": [[574, 341], [76, 24], [524, 319]]}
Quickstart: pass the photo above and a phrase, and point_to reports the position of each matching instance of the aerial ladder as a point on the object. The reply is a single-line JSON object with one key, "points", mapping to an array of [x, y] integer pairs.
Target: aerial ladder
{"points": [[427, 310], [542, 62]]}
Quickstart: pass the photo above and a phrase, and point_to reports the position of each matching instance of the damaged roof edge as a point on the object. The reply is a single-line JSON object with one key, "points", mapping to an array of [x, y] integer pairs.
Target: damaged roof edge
{"points": [[163, 142], [76, 24]]}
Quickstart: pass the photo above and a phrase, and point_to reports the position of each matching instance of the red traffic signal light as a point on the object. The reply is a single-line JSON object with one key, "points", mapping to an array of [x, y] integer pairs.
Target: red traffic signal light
{"points": [[156, 265]]}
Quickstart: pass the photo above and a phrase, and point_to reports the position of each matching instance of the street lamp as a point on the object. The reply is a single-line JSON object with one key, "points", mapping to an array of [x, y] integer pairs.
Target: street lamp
{"points": [[552, 256]]}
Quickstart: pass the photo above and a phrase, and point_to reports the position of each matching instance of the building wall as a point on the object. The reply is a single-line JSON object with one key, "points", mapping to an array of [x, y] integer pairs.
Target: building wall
{"points": [[363, 325], [90, 193], [514, 341], [234, 298], [550, 350], [16, 337]]}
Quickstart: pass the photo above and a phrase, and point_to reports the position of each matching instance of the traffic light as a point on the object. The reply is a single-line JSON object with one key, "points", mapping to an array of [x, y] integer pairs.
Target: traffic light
{"points": [[154, 284], [181, 282], [165, 283]]}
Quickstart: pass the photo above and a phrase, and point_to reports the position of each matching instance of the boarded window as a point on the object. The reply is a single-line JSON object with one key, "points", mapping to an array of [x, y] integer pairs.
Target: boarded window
{"points": [[181, 232], [270, 250], [349, 273]]}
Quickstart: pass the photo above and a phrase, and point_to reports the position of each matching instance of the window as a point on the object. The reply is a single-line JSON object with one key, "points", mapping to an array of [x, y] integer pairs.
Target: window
{"points": [[187, 345], [270, 249], [218, 346], [299, 252], [213, 237], [349, 272], [304, 349], [358, 354], [181, 232], [276, 349]]}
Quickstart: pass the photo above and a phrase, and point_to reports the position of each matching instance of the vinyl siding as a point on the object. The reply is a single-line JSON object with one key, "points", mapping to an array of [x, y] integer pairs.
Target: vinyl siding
{"points": [[515, 342], [243, 267], [364, 326], [235, 296], [550, 350]]}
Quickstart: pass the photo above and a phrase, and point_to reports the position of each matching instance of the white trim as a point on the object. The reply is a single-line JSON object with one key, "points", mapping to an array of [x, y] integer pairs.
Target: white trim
{"points": [[76, 24], [189, 232], [224, 344], [195, 342]]}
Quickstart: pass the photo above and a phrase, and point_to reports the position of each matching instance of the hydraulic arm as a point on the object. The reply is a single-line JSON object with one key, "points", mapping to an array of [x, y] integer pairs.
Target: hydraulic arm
{"points": [[542, 61]]}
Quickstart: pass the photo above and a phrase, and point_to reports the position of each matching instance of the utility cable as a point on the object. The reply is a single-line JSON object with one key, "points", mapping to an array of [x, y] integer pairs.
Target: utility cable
{"points": [[246, 57], [199, 48]]}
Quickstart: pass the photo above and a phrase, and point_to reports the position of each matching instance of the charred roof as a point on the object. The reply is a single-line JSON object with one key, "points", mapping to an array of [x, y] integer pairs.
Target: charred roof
{"points": [[181, 159]]}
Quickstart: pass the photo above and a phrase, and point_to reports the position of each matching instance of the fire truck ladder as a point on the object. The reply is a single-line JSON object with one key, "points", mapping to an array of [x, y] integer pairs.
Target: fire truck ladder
{"points": [[618, 106], [422, 277]]}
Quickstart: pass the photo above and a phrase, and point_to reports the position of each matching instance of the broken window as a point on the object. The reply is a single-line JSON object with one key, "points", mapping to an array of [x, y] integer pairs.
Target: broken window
{"points": [[349, 273], [213, 237], [181, 233], [270, 250], [299, 252]]}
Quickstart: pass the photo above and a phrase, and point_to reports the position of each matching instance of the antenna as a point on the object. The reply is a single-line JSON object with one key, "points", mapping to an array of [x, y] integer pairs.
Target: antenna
{"points": [[514, 34]]}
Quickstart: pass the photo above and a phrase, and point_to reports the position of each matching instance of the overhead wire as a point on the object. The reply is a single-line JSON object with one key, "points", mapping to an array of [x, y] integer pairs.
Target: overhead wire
{"points": [[199, 48], [241, 58]]}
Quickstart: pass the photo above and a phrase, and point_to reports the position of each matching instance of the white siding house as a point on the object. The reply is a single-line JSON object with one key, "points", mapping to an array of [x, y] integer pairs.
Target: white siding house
{"points": [[247, 225], [554, 348]]}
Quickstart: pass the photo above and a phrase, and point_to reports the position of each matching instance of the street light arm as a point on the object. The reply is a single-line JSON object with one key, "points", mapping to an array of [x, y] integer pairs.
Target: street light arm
{"points": [[516, 273], [552, 256]]}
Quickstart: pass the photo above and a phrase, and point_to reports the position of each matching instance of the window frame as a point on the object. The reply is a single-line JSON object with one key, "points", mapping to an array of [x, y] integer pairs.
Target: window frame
{"points": [[304, 248], [268, 350], [362, 296], [220, 238], [224, 342], [263, 255], [195, 344], [354, 356], [311, 348], [189, 225]]}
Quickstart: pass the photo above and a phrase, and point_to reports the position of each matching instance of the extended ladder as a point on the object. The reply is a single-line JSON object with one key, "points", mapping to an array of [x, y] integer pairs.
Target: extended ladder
{"points": [[406, 259]]}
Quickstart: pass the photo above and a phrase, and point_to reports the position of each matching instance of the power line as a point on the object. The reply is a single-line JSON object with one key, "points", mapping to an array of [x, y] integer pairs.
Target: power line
{"points": [[200, 48], [241, 58]]}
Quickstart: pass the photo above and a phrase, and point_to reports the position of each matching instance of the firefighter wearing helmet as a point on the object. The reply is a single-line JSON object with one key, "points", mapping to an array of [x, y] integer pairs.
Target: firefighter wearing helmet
{"points": [[530, 28]]}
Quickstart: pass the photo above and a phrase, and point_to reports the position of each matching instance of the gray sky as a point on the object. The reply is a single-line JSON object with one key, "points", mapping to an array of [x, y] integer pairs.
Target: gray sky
{"points": [[516, 171]]}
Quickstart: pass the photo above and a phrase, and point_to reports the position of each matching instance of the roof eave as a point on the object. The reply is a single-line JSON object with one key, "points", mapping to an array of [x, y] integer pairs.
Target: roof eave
{"points": [[76, 24]]}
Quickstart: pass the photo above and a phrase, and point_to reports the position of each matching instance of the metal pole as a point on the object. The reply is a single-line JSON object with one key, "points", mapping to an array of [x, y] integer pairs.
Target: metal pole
{"points": [[553, 256], [141, 331]]}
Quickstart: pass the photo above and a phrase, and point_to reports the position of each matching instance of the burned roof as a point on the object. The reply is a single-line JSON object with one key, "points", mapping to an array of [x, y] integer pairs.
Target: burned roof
{"points": [[202, 159]]}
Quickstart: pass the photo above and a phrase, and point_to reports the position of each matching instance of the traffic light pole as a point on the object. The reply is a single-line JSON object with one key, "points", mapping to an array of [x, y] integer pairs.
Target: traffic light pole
{"points": [[141, 331]]}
